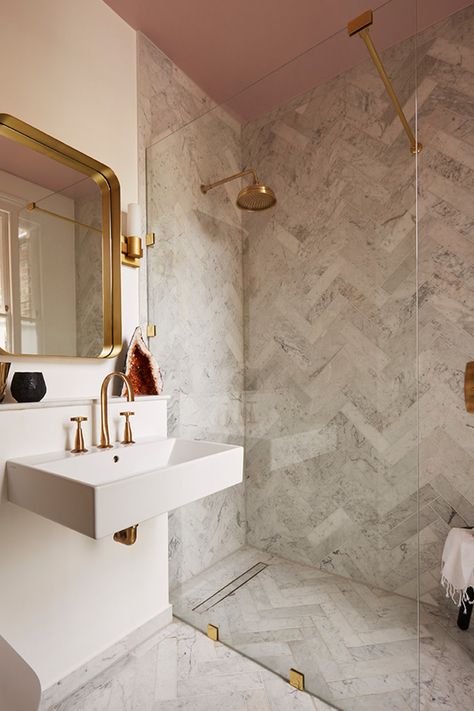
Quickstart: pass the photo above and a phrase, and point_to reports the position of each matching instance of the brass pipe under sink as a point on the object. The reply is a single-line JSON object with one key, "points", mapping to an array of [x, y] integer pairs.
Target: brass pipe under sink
{"points": [[127, 536]]}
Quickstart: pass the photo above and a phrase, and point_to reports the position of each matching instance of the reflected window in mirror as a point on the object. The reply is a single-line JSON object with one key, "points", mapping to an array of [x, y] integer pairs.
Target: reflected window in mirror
{"points": [[51, 246]]}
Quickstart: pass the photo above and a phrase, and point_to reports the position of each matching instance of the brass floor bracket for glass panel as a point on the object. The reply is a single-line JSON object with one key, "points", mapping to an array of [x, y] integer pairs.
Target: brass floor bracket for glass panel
{"points": [[360, 26], [213, 632], [297, 679]]}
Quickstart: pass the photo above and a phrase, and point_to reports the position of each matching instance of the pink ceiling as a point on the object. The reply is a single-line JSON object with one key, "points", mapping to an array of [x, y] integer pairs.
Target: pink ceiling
{"points": [[226, 46]]}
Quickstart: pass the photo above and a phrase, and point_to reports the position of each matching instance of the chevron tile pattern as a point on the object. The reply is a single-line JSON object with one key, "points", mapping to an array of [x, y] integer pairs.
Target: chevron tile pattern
{"points": [[446, 321], [357, 645], [180, 669], [330, 280], [356, 439], [195, 291], [330, 307]]}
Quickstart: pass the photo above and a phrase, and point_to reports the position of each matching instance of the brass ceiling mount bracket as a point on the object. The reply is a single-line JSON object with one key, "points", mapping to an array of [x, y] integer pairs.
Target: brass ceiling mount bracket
{"points": [[360, 26], [360, 23], [131, 251], [127, 536]]}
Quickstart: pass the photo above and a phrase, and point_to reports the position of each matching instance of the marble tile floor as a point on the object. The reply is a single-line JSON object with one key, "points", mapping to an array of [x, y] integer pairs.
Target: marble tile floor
{"points": [[179, 668], [357, 645]]}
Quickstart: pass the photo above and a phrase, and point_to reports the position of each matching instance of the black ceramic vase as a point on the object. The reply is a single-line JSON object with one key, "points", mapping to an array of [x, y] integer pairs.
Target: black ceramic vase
{"points": [[28, 387]]}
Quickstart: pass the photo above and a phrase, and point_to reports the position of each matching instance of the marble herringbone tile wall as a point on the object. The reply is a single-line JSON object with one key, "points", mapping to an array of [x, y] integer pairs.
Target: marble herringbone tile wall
{"points": [[330, 311], [446, 272], [330, 285], [330, 330], [195, 291]]}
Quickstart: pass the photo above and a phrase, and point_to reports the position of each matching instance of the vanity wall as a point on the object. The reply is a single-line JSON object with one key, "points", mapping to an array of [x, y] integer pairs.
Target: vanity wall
{"points": [[76, 81], [65, 598]]}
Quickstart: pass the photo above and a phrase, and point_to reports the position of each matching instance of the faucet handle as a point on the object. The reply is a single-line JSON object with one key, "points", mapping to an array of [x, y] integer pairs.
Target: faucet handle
{"points": [[79, 447], [127, 434]]}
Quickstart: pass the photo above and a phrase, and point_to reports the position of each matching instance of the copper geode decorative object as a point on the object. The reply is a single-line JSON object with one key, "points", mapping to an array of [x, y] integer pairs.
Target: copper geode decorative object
{"points": [[141, 367]]}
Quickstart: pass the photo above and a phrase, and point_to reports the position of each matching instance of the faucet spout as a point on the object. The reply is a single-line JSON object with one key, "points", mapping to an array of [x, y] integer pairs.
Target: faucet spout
{"points": [[104, 406]]}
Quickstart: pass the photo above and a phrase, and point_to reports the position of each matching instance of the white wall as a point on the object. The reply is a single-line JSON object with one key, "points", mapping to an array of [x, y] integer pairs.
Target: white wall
{"points": [[69, 68]]}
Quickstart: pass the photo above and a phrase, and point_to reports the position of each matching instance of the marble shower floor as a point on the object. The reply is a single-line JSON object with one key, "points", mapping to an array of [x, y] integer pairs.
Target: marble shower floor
{"points": [[180, 669], [357, 645]]}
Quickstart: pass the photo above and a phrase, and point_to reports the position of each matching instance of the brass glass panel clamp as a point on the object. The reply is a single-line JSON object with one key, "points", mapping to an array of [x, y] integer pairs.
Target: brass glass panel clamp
{"points": [[127, 434], [297, 679], [213, 632], [79, 438]]}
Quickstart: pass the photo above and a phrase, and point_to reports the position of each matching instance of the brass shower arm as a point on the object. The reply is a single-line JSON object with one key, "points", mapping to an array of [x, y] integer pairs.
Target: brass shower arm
{"points": [[247, 171], [360, 26]]}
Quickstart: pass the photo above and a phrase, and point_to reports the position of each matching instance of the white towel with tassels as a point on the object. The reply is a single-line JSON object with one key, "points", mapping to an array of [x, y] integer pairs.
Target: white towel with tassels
{"points": [[457, 572]]}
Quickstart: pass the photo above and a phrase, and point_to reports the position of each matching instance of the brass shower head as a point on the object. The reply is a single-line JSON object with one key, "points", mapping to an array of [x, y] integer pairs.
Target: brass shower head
{"points": [[256, 197], [253, 197]]}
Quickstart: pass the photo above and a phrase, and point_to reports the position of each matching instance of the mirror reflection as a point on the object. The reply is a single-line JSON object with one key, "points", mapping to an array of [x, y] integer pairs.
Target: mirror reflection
{"points": [[50, 256]]}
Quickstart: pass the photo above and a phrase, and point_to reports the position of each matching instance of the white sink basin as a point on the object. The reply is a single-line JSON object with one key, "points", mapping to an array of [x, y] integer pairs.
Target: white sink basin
{"points": [[107, 490]]}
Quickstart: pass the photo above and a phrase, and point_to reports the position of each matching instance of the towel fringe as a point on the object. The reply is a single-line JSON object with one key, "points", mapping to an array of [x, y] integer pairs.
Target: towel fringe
{"points": [[459, 597]]}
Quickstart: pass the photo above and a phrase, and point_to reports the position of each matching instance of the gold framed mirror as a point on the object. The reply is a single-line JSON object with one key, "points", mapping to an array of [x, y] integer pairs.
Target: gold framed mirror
{"points": [[60, 292]]}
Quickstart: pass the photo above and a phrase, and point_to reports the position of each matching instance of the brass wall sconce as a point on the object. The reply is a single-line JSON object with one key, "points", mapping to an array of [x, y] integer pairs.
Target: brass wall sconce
{"points": [[131, 245], [360, 26]]}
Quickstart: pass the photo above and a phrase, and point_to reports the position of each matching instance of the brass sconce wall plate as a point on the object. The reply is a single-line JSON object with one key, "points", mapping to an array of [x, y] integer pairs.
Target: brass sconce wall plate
{"points": [[131, 251]]}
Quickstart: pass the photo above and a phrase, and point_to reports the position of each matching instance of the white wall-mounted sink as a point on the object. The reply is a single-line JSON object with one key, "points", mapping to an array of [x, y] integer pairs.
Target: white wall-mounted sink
{"points": [[107, 490]]}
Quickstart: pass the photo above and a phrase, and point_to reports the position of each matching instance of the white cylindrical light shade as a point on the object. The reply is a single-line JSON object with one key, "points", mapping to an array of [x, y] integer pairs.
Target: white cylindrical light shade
{"points": [[134, 220]]}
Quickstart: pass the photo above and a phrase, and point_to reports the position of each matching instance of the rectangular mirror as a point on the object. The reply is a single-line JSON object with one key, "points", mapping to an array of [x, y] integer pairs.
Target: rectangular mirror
{"points": [[59, 248]]}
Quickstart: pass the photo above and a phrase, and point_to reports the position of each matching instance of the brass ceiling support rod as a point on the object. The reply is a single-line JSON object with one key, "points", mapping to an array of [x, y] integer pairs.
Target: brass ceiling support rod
{"points": [[248, 171], [33, 206], [360, 26]]}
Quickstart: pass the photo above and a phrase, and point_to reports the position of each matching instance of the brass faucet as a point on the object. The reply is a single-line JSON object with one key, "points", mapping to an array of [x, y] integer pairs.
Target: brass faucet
{"points": [[104, 408]]}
